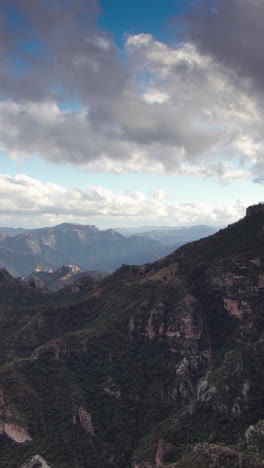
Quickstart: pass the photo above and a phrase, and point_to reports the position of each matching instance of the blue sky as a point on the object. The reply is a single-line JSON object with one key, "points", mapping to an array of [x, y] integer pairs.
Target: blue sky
{"points": [[130, 113], [123, 18]]}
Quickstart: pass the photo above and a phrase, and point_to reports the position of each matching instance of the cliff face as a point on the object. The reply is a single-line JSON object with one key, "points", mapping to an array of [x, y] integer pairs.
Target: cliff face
{"points": [[158, 364]]}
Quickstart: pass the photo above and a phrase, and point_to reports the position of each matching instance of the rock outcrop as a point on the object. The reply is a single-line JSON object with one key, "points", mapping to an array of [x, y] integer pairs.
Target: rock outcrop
{"points": [[82, 416], [11, 423]]}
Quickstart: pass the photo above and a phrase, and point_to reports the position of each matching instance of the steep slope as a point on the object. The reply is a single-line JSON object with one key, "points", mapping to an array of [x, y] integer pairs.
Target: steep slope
{"points": [[84, 246], [157, 364], [18, 264], [15, 292]]}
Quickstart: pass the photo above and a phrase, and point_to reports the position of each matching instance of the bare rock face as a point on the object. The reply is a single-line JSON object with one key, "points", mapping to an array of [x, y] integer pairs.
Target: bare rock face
{"points": [[11, 423], [15, 431]]}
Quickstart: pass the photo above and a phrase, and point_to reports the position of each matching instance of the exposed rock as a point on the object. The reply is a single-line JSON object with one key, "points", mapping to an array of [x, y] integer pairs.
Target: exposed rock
{"points": [[11, 423], [233, 308], [85, 419], [16, 432], [36, 462]]}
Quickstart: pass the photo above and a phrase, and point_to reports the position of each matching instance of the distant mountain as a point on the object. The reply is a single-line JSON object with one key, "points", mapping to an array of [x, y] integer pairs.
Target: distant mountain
{"points": [[84, 246], [138, 230], [157, 365], [12, 231], [174, 236], [180, 236], [18, 264]]}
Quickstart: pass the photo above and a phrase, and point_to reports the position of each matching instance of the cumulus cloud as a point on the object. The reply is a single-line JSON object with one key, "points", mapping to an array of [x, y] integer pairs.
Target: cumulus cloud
{"points": [[33, 203], [32, 128], [165, 109]]}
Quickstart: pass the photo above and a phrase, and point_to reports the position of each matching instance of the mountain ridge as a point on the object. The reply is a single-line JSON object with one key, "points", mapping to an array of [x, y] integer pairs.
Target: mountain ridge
{"points": [[84, 246], [157, 364]]}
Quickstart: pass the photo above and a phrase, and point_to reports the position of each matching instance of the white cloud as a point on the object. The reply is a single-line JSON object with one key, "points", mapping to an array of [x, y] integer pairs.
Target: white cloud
{"points": [[155, 96], [245, 145], [28, 202]]}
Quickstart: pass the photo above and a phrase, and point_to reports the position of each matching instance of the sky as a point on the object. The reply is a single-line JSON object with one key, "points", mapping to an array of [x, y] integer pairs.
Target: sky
{"points": [[130, 113]]}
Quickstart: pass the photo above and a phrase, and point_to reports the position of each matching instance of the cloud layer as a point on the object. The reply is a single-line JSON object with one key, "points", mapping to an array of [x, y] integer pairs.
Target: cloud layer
{"points": [[192, 108], [32, 203]]}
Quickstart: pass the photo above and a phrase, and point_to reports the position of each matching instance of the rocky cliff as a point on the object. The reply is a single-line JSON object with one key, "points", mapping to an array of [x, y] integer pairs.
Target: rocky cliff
{"points": [[156, 365]]}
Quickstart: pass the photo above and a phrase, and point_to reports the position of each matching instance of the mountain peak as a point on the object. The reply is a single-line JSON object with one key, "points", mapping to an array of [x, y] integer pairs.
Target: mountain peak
{"points": [[253, 209], [76, 226]]}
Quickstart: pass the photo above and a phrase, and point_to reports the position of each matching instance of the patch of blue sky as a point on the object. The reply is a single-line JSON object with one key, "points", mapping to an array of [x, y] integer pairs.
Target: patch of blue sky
{"points": [[27, 47], [141, 16], [14, 15], [70, 104], [32, 47], [66, 102], [145, 78]]}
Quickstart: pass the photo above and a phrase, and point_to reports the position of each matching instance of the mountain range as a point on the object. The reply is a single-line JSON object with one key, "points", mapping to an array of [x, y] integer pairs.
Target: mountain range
{"points": [[172, 236], [86, 247], [156, 365]]}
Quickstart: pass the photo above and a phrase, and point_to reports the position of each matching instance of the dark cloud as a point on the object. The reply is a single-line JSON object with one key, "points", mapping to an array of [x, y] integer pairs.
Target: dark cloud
{"points": [[74, 57], [232, 31]]}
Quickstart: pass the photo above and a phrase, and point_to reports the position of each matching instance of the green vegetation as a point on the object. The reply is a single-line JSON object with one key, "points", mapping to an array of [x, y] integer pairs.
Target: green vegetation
{"points": [[133, 352]]}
